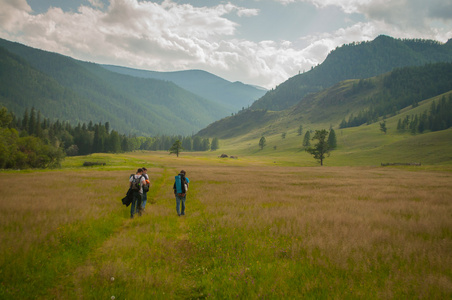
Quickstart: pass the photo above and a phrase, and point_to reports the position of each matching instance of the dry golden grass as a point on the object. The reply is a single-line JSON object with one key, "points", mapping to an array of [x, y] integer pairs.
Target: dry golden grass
{"points": [[359, 219], [361, 232], [33, 205]]}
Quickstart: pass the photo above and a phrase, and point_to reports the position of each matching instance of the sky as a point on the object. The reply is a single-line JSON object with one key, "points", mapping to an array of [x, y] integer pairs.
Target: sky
{"points": [[258, 42]]}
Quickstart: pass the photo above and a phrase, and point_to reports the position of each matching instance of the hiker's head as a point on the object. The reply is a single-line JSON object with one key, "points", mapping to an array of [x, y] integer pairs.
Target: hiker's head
{"points": [[139, 171], [182, 172], [144, 170]]}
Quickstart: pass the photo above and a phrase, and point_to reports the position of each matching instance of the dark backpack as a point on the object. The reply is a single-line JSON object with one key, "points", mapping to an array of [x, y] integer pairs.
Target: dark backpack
{"points": [[183, 184], [136, 183], [146, 186]]}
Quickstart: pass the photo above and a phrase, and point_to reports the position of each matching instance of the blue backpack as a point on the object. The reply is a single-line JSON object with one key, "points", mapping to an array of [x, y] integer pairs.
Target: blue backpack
{"points": [[181, 184]]}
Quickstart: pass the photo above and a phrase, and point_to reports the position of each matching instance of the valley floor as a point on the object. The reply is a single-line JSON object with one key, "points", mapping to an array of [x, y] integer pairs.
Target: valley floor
{"points": [[254, 229]]}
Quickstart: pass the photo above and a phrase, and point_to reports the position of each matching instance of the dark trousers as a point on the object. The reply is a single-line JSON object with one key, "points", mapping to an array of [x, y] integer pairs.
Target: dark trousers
{"points": [[136, 204]]}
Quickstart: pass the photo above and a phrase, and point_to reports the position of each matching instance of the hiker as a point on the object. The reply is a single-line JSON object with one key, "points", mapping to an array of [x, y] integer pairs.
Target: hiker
{"points": [[137, 182], [180, 188], [145, 188]]}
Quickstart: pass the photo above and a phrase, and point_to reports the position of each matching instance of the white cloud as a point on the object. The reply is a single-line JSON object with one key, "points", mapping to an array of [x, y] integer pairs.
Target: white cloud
{"points": [[166, 36], [96, 3], [12, 14], [169, 36], [413, 18], [246, 12]]}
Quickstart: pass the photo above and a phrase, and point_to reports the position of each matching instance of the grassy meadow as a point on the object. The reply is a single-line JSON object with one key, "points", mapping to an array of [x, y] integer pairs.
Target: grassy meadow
{"points": [[257, 227]]}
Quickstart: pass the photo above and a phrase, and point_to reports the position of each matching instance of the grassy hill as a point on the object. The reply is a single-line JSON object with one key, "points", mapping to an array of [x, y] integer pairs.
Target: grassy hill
{"points": [[70, 90], [375, 98], [355, 61], [358, 145], [365, 145]]}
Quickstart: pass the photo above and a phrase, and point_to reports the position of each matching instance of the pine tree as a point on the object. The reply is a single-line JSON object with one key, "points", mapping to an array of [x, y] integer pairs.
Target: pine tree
{"points": [[114, 142], [38, 125], [197, 143], [307, 139], [383, 127], [25, 120], [215, 144], [262, 142], [187, 143], [206, 144], [176, 148], [32, 122], [399, 125], [332, 141], [300, 130]]}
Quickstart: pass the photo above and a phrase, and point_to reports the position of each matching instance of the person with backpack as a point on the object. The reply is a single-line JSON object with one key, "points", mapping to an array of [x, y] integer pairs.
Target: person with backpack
{"points": [[137, 181], [180, 188], [145, 188]]}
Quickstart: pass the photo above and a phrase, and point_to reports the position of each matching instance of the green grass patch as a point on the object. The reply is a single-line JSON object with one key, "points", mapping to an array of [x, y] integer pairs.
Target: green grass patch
{"points": [[33, 272]]}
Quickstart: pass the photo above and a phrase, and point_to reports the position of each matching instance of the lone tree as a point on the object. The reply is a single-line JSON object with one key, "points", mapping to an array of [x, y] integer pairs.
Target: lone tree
{"points": [[383, 127], [262, 142], [320, 149], [300, 130], [176, 148]]}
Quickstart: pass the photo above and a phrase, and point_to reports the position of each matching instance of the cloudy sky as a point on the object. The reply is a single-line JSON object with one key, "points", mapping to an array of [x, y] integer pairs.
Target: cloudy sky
{"points": [[261, 42]]}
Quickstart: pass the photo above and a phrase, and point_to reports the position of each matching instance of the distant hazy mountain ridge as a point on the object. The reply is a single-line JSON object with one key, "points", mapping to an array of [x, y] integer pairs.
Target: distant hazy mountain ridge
{"points": [[232, 95], [71, 90]]}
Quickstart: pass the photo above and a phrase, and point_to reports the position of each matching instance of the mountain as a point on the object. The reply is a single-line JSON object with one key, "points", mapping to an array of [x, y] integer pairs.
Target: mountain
{"points": [[232, 95], [70, 90], [355, 61], [22, 86], [359, 101]]}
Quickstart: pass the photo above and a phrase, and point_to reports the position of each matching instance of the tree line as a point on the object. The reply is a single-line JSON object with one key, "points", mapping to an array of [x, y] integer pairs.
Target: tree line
{"points": [[36, 142], [19, 150], [402, 88], [438, 117]]}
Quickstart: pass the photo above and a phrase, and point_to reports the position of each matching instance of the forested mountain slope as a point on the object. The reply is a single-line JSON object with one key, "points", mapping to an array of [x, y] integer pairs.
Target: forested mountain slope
{"points": [[22, 86], [232, 95], [354, 102], [356, 61], [68, 89]]}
